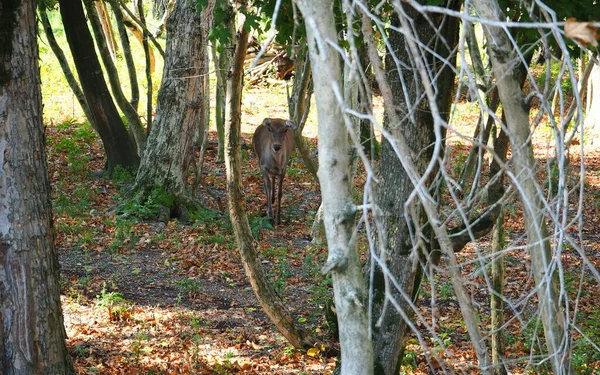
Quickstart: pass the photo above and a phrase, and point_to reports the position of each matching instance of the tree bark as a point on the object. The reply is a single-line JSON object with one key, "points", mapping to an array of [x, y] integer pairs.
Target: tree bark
{"points": [[351, 297], [496, 301], [64, 65], [170, 148], [299, 105], [119, 147], [32, 334], [592, 112], [149, 66], [395, 188], [517, 120], [222, 58], [135, 124], [135, 90], [268, 299]]}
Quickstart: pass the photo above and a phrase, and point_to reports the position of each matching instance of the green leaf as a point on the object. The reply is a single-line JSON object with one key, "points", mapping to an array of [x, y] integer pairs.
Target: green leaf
{"points": [[252, 22], [201, 4]]}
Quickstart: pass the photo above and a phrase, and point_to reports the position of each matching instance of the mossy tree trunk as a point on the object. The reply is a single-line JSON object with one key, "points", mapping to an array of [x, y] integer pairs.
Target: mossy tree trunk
{"points": [[168, 161]]}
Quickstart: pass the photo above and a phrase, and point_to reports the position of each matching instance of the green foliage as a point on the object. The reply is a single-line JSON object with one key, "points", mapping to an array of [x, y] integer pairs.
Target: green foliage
{"points": [[566, 84], [152, 207], [258, 222], [123, 176], [258, 16], [75, 204], [114, 303], [123, 234], [75, 147], [187, 286]]}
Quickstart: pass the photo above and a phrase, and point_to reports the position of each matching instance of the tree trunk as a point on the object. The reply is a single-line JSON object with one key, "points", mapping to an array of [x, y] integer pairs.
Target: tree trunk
{"points": [[119, 147], [106, 27], [136, 26], [32, 334], [517, 120], [351, 297], [395, 188], [150, 67], [299, 106], [135, 124], [268, 299], [496, 301], [170, 148], [64, 65], [222, 58], [135, 90], [592, 112]]}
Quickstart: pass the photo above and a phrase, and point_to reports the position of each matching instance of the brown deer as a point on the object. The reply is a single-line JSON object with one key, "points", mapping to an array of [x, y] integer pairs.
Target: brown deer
{"points": [[273, 142]]}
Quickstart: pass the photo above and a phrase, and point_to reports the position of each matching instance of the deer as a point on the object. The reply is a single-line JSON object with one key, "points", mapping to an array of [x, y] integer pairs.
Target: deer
{"points": [[273, 143]]}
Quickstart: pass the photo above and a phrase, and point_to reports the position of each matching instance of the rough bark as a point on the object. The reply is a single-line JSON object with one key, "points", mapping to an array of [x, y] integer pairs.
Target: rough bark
{"points": [[169, 151], [351, 297], [119, 147], [503, 57], [268, 299], [32, 334], [396, 186]]}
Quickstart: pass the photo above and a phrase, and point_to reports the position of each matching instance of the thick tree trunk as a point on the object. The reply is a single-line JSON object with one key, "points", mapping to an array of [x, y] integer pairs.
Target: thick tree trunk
{"points": [[268, 299], [503, 57], [32, 334], [389, 326], [119, 147], [351, 297], [170, 148]]}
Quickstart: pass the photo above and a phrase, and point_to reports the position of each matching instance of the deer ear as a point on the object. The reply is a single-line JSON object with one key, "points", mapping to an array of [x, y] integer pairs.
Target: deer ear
{"points": [[291, 124]]}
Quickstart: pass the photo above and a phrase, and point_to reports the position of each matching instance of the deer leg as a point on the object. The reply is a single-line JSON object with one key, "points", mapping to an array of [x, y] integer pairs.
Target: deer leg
{"points": [[279, 195], [269, 195]]}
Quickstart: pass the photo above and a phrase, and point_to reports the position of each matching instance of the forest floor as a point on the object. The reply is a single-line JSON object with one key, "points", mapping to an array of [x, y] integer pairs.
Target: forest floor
{"points": [[147, 297]]}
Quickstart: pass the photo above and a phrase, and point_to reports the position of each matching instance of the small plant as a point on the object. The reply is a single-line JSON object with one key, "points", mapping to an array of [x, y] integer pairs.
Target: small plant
{"points": [[123, 234], [115, 304], [259, 222], [187, 287]]}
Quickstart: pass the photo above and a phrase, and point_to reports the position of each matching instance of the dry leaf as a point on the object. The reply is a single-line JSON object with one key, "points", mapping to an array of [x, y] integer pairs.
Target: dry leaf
{"points": [[584, 32]]}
